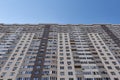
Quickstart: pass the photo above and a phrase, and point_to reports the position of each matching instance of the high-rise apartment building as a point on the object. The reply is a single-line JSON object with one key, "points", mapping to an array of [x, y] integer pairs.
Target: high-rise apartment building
{"points": [[59, 52]]}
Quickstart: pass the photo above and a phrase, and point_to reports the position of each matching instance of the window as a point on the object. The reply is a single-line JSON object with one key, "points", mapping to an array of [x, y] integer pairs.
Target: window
{"points": [[68, 58], [37, 72], [62, 78], [61, 62], [35, 78], [109, 67], [69, 67], [61, 58], [79, 78], [54, 72], [88, 73], [61, 73], [3, 74], [111, 58], [71, 79], [61, 67], [39, 61], [46, 66], [45, 78], [12, 73], [113, 73], [28, 72], [114, 63], [17, 63], [70, 73], [68, 62], [46, 72], [20, 58], [68, 54], [106, 62], [61, 54], [12, 58], [14, 68], [7, 68], [117, 67], [116, 79]]}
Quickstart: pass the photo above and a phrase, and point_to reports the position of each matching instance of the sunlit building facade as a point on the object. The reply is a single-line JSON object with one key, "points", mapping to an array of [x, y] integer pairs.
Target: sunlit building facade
{"points": [[59, 52]]}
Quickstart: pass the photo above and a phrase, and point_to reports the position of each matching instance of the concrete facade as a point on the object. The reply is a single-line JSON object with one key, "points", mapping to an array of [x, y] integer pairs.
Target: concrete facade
{"points": [[59, 52]]}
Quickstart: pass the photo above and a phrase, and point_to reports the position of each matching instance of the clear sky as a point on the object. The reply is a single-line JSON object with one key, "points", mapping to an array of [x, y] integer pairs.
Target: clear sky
{"points": [[60, 11]]}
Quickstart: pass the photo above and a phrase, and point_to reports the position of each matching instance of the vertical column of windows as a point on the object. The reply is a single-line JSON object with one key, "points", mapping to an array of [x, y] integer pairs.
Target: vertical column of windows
{"points": [[12, 66], [105, 55], [85, 64], [65, 66]]}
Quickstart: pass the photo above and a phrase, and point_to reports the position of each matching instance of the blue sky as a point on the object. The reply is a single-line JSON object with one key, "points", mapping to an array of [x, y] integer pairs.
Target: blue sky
{"points": [[60, 11]]}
